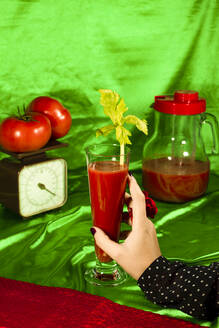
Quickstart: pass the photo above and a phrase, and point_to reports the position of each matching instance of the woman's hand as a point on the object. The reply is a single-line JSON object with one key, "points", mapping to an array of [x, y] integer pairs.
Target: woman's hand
{"points": [[141, 246]]}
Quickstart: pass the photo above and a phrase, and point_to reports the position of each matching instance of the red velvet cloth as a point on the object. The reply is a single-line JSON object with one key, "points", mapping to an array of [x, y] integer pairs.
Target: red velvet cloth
{"points": [[28, 305]]}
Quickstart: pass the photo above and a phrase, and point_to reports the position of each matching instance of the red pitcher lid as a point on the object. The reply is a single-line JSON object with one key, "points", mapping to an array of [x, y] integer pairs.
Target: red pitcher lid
{"points": [[184, 102]]}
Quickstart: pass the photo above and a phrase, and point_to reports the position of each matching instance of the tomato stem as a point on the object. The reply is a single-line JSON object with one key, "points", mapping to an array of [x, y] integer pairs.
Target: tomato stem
{"points": [[19, 112], [24, 110], [25, 116]]}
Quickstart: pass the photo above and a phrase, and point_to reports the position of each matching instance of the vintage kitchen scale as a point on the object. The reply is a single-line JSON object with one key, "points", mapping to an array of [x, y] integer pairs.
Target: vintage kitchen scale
{"points": [[32, 183]]}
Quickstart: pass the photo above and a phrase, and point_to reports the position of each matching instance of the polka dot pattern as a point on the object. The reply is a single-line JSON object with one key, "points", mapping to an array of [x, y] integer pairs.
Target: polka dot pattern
{"points": [[191, 289]]}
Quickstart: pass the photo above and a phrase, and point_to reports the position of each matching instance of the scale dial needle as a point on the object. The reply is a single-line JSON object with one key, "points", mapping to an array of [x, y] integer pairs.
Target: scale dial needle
{"points": [[43, 187]]}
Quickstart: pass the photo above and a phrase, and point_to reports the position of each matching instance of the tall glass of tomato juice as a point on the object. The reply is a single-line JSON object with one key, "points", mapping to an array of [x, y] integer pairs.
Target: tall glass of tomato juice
{"points": [[107, 176]]}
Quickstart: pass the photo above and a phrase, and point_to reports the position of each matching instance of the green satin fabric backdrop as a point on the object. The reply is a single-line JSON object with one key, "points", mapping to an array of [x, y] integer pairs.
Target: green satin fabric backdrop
{"points": [[70, 49]]}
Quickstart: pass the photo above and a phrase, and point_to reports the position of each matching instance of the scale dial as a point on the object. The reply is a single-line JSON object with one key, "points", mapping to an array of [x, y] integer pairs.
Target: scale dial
{"points": [[42, 186]]}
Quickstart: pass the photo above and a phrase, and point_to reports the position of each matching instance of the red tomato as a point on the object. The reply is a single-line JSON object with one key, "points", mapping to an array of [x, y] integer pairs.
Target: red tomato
{"points": [[19, 135], [59, 116]]}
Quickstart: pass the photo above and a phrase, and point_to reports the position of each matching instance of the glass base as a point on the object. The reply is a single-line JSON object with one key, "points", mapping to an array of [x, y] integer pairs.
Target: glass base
{"points": [[105, 274]]}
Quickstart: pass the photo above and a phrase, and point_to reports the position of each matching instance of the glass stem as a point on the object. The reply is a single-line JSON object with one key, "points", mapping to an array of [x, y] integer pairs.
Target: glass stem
{"points": [[106, 271]]}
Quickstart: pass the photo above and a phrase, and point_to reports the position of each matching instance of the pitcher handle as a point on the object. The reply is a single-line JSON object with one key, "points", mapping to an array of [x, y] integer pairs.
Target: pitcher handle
{"points": [[213, 122]]}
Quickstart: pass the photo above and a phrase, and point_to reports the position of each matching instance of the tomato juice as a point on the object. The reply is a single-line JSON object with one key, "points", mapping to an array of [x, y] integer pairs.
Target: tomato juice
{"points": [[107, 183], [170, 181]]}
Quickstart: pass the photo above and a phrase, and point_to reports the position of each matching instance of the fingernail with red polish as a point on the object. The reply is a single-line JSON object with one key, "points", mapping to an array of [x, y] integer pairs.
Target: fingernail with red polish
{"points": [[93, 231]]}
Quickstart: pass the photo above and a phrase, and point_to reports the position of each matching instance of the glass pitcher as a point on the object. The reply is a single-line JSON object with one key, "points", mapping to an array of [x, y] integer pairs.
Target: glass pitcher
{"points": [[175, 166]]}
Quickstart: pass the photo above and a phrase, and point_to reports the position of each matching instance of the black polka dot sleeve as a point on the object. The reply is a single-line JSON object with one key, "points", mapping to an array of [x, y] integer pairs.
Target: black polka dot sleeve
{"points": [[191, 289]]}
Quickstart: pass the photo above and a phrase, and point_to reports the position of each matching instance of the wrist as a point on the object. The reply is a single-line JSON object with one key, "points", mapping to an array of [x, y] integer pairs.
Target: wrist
{"points": [[146, 266]]}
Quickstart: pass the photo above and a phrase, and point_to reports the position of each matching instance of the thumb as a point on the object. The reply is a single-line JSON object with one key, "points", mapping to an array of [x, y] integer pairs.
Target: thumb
{"points": [[109, 246]]}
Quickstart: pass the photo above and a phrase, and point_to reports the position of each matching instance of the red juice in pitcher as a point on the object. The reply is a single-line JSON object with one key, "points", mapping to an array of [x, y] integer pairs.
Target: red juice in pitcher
{"points": [[170, 181], [107, 183]]}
